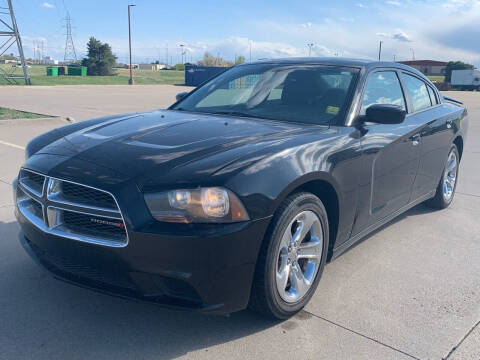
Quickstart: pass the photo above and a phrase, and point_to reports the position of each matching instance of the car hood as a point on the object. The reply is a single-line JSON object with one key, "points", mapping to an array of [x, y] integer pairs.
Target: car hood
{"points": [[158, 144]]}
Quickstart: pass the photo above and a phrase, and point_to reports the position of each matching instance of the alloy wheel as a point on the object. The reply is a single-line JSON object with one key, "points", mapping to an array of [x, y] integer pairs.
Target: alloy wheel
{"points": [[450, 176], [299, 256]]}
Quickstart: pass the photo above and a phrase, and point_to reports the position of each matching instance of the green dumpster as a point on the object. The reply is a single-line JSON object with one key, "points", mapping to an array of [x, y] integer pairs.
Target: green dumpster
{"points": [[77, 70], [52, 71]]}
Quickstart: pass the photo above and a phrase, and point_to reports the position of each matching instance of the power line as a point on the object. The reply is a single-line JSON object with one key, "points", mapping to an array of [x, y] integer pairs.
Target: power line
{"points": [[9, 30]]}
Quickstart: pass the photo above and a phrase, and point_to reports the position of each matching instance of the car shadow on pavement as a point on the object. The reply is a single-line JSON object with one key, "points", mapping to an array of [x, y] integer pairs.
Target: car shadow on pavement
{"points": [[41, 317], [419, 209]]}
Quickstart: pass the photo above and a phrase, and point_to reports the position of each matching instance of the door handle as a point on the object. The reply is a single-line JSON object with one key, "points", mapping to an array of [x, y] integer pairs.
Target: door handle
{"points": [[415, 139]]}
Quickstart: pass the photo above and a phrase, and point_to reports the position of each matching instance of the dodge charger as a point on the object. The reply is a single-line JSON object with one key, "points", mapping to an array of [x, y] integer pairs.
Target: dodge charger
{"points": [[238, 194]]}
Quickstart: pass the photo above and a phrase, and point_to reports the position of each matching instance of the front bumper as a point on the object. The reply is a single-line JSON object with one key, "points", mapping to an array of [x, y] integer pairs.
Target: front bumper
{"points": [[205, 268]]}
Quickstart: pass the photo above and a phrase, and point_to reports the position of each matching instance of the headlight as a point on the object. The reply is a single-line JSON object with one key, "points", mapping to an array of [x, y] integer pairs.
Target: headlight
{"points": [[204, 205]]}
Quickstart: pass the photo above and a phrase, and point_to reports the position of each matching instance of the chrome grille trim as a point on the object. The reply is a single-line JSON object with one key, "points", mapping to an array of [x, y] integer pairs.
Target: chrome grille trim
{"points": [[57, 198], [25, 207], [25, 178], [53, 207]]}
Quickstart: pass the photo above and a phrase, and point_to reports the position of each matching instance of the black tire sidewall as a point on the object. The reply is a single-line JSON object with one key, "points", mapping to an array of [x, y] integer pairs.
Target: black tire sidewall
{"points": [[302, 202]]}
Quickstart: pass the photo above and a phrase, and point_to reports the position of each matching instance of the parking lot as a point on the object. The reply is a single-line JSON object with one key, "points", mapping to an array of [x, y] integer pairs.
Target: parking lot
{"points": [[410, 290]]}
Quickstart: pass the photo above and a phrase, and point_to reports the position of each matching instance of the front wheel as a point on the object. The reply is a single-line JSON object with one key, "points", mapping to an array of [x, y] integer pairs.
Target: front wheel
{"points": [[448, 183], [292, 257]]}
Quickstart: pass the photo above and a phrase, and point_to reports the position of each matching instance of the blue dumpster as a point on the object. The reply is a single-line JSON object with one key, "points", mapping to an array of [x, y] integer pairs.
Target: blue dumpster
{"points": [[196, 75]]}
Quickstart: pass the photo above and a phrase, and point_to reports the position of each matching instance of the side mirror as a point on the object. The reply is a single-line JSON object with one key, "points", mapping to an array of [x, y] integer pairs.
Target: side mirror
{"points": [[181, 95], [385, 114]]}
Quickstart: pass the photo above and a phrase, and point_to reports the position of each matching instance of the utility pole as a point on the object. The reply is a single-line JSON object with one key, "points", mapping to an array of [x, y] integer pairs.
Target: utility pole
{"points": [[380, 51], [9, 29], [413, 53], [310, 45], [250, 51], [394, 58], [130, 81], [70, 53]]}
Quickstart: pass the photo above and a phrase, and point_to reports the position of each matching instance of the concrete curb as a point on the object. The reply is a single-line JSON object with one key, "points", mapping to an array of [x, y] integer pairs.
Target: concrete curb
{"points": [[36, 120]]}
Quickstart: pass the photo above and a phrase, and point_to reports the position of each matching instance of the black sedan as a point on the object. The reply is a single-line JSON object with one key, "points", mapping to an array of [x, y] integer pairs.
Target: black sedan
{"points": [[242, 190]]}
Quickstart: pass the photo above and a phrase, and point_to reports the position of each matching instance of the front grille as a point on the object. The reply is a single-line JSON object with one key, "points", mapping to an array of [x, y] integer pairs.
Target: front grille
{"points": [[88, 196], [94, 225], [32, 181], [37, 209], [71, 210]]}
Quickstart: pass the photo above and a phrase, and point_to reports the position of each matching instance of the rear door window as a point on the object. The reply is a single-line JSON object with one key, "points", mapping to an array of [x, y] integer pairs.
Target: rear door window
{"points": [[418, 92], [383, 87]]}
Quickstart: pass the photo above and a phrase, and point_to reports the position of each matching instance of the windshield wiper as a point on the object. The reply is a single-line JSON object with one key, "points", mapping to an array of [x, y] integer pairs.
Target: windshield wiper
{"points": [[232, 113]]}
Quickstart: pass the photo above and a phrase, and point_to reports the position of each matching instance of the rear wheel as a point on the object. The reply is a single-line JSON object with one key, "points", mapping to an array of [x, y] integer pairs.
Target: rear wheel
{"points": [[292, 257], [448, 183]]}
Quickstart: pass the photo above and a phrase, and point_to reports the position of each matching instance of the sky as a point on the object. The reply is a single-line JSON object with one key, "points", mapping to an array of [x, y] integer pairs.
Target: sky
{"points": [[421, 29]]}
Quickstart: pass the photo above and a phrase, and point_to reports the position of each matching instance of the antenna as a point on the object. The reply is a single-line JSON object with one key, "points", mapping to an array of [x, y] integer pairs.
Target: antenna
{"points": [[70, 54], [9, 29]]}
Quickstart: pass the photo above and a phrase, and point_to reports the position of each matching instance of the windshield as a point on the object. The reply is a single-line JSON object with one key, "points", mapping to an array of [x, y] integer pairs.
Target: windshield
{"points": [[315, 94]]}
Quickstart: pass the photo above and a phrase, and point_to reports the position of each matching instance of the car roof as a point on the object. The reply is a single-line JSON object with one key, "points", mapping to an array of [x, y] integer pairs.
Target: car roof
{"points": [[338, 61]]}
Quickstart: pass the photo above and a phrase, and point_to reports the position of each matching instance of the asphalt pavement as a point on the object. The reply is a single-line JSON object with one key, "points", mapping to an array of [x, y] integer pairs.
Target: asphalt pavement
{"points": [[409, 290]]}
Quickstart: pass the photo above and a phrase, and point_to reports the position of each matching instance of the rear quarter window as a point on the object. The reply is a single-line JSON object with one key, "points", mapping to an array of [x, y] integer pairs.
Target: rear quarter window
{"points": [[433, 96]]}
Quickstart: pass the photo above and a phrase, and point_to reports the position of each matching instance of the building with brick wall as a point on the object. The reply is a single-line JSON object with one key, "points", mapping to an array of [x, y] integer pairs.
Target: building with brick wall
{"points": [[427, 67]]}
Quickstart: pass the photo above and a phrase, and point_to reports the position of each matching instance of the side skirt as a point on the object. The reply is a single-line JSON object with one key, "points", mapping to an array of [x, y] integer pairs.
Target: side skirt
{"points": [[349, 243]]}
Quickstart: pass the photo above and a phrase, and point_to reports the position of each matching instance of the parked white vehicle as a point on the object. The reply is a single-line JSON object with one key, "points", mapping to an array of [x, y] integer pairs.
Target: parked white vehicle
{"points": [[466, 79]]}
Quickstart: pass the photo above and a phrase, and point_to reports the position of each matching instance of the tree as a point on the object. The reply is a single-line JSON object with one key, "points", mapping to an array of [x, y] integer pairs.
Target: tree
{"points": [[455, 65], [8, 57], [210, 60], [100, 59], [240, 60], [178, 67]]}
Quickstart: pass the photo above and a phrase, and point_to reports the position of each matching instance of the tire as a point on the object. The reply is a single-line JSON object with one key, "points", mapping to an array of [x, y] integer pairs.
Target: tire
{"points": [[278, 290], [444, 198]]}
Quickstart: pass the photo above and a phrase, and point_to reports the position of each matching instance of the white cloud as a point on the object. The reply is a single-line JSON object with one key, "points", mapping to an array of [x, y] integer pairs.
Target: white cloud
{"points": [[449, 37], [48, 5], [393, 2], [397, 35]]}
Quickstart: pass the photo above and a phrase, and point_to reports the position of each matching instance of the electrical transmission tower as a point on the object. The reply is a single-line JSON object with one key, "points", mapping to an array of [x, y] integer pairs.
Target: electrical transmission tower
{"points": [[9, 30], [70, 54]]}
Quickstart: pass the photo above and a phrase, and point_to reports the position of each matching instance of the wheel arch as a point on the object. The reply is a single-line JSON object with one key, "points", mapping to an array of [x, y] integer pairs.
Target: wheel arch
{"points": [[325, 188], [459, 143]]}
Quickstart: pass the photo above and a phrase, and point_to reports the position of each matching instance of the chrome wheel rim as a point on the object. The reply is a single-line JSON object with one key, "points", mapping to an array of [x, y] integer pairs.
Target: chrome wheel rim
{"points": [[450, 176], [299, 256]]}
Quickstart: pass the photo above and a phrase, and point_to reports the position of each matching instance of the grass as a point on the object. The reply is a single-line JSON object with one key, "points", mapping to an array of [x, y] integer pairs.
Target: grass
{"points": [[143, 77], [7, 114], [439, 79]]}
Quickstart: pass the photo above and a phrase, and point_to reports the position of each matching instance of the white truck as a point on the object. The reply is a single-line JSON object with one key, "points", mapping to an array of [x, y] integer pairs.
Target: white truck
{"points": [[466, 79]]}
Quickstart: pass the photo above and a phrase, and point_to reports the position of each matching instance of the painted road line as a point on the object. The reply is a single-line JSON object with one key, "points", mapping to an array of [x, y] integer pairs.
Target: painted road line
{"points": [[12, 145]]}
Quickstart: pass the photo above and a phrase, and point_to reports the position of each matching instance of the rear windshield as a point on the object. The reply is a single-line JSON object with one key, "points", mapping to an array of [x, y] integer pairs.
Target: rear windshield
{"points": [[315, 94]]}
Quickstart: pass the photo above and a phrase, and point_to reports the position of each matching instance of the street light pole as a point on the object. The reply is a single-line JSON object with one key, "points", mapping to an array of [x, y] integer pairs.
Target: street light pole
{"points": [[181, 49], [130, 81], [380, 51], [310, 49]]}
